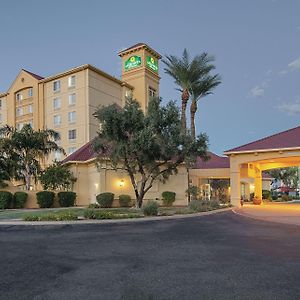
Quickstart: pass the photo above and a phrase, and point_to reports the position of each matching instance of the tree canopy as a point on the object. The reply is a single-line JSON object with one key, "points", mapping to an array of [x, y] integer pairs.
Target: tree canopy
{"points": [[149, 147]]}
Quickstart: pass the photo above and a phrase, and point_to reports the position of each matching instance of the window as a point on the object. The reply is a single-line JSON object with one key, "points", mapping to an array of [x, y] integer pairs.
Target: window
{"points": [[72, 99], [71, 150], [57, 120], [151, 92], [72, 134], [72, 117], [56, 86], [71, 81], [56, 103], [20, 126], [30, 108], [30, 92], [19, 96], [57, 155], [19, 111]]}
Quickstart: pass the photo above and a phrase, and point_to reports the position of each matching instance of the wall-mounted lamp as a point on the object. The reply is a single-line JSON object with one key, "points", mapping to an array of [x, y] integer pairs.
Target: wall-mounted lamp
{"points": [[121, 183]]}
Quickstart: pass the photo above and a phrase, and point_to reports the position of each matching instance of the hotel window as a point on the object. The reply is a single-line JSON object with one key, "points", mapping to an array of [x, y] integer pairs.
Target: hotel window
{"points": [[72, 117], [19, 96], [56, 103], [19, 111], [151, 92], [72, 99], [72, 134], [57, 155], [71, 150], [30, 109], [30, 92], [71, 81], [20, 126], [57, 120], [56, 86]]}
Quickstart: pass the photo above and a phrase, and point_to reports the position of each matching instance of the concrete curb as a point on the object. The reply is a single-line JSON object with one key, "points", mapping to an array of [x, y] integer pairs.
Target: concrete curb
{"points": [[137, 220], [245, 215]]}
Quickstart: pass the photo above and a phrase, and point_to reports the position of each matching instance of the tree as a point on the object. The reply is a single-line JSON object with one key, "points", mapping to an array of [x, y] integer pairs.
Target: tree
{"points": [[26, 148], [57, 177], [220, 187], [185, 72], [149, 147], [203, 87], [289, 176]]}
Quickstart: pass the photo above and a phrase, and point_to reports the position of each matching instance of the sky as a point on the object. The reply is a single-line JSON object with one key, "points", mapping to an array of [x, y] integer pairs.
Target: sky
{"points": [[256, 44]]}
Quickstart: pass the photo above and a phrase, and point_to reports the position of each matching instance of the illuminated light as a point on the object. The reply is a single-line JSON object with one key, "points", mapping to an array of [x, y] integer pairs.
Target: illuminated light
{"points": [[121, 183], [96, 185]]}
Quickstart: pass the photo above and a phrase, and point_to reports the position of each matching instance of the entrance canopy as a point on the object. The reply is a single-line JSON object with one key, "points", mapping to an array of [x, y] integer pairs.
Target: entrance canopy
{"points": [[276, 151]]}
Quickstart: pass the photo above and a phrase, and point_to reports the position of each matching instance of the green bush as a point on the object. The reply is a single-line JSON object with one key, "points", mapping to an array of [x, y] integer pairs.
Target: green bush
{"points": [[168, 198], [66, 199], [274, 196], [5, 199], [105, 199], [64, 216], [285, 198], [199, 205], [151, 208], [94, 205], [266, 194], [125, 201], [98, 214], [45, 199], [214, 204], [19, 199]]}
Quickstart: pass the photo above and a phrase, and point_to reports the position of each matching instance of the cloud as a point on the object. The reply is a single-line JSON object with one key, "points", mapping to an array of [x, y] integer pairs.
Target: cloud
{"points": [[282, 72], [292, 108], [294, 65], [257, 91]]}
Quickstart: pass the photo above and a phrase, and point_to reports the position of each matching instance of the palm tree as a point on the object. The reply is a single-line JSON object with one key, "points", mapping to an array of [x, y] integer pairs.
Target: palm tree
{"points": [[28, 148], [184, 72], [200, 89]]}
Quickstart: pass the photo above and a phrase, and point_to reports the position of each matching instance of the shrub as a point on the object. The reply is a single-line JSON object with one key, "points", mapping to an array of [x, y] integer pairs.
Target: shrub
{"points": [[105, 199], [66, 199], [98, 214], [266, 194], [19, 199], [193, 191], [285, 197], [214, 204], [94, 205], [274, 196], [64, 216], [45, 199], [5, 199], [125, 200], [199, 206], [151, 208], [168, 198]]}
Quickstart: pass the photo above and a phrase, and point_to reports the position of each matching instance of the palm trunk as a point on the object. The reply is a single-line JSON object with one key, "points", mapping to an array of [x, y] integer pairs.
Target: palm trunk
{"points": [[184, 100], [193, 110], [27, 178]]}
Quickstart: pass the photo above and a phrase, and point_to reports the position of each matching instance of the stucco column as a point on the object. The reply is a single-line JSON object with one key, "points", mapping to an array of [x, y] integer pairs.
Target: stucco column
{"points": [[235, 186], [258, 185]]}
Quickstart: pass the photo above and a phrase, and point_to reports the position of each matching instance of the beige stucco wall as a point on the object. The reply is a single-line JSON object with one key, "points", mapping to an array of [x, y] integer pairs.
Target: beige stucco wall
{"points": [[3, 111], [91, 182]]}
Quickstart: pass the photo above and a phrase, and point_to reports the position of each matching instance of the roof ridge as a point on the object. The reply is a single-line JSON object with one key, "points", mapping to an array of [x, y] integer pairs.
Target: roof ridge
{"points": [[262, 139], [33, 74]]}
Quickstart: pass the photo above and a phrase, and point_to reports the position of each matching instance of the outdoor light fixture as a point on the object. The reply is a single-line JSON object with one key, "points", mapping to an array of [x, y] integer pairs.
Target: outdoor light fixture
{"points": [[121, 183]]}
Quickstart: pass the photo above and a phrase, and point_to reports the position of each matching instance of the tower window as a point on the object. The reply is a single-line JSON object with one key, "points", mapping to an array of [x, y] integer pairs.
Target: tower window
{"points": [[151, 92]]}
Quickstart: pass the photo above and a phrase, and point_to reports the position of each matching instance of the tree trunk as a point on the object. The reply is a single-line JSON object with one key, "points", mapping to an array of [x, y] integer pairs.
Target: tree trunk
{"points": [[193, 110], [184, 99], [27, 178]]}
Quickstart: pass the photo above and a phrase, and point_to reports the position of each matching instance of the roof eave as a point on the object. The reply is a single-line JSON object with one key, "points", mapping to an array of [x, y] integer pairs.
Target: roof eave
{"points": [[260, 150]]}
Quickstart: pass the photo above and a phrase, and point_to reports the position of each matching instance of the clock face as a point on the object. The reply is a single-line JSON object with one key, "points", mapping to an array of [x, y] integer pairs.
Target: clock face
{"points": [[132, 62], [152, 63]]}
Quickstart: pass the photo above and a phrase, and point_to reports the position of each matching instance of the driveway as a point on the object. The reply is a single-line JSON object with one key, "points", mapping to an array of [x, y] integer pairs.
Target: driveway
{"points": [[221, 256], [288, 213]]}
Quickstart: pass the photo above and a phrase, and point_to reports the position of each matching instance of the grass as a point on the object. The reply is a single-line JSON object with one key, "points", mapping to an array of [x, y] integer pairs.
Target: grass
{"points": [[59, 213]]}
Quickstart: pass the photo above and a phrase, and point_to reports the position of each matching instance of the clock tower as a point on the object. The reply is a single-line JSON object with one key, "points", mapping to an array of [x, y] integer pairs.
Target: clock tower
{"points": [[140, 66]]}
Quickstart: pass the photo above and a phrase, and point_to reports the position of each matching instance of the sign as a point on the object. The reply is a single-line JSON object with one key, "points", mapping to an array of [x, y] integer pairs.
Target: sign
{"points": [[133, 62], [152, 63]]}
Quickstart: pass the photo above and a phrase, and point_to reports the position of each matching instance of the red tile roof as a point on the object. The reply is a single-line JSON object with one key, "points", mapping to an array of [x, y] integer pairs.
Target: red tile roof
{"points": [[84, 153], [137, 46], [285, 139], [38, 77], [215, 162]]}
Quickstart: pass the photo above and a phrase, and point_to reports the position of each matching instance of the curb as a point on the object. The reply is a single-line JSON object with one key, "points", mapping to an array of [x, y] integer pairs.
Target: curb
{"points": [[109, 221], [245, 215]]}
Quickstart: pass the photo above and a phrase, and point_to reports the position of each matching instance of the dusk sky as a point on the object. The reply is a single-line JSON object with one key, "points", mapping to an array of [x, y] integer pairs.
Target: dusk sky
{"points": [[256, 44]]}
